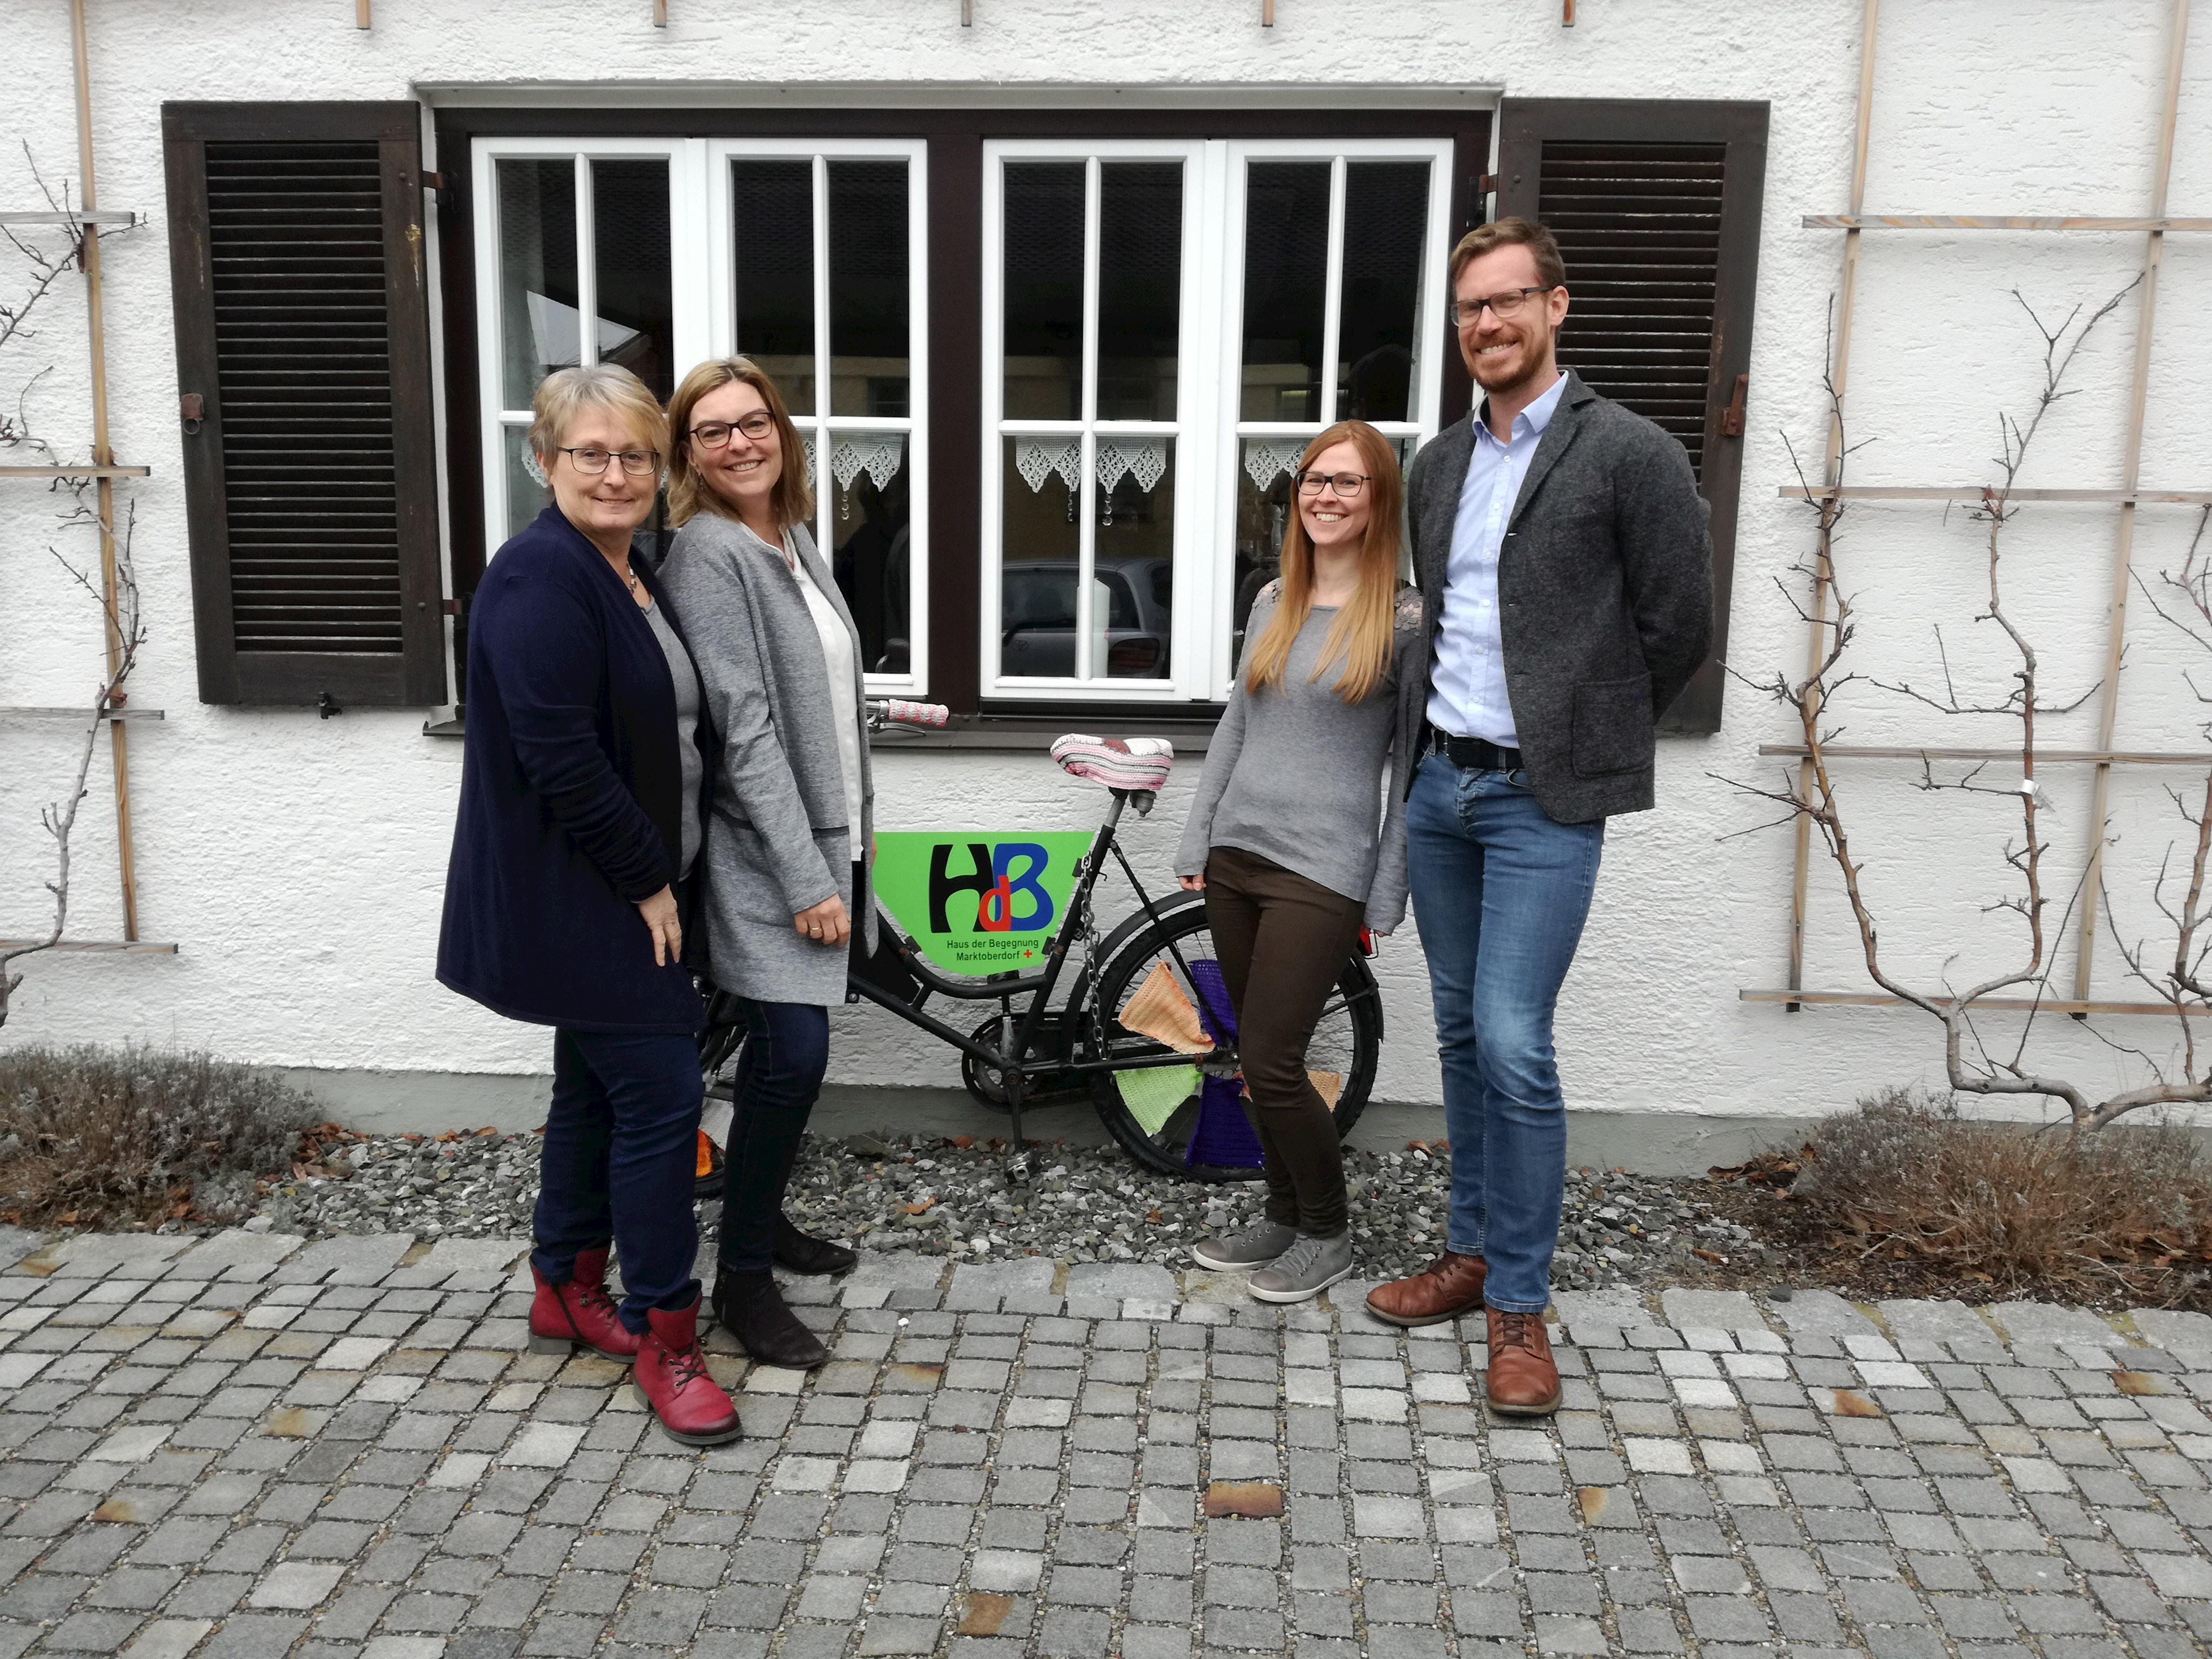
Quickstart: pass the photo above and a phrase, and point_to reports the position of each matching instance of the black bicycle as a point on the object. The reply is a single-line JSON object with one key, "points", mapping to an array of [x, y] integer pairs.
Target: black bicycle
{"points": [[1145, 997]]}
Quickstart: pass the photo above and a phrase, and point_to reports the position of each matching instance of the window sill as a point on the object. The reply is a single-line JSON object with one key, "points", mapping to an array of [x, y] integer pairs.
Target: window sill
{"points": [[1028, 734], [1035, 733]]}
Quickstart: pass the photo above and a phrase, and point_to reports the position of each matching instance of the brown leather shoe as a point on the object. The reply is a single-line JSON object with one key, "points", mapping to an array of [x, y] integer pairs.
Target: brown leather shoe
{"points": [[1521, 1381], [1444, 1290]]}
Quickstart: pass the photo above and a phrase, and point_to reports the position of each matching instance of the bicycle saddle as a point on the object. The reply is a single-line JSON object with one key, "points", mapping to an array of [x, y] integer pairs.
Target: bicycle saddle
{"points": [[1139, 765]]}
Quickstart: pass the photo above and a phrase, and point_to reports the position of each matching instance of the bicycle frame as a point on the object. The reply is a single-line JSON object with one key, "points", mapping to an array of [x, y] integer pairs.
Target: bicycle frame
{"points": [[1015, 1061]]}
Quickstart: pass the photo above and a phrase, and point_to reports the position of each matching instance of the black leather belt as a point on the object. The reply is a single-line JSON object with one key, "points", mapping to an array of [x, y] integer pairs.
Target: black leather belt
{"points": [[1473, 754]]}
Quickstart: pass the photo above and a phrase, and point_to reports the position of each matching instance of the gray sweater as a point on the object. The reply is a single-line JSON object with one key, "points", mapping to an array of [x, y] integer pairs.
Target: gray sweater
{"points": [[778, 839], [1295, 774]]}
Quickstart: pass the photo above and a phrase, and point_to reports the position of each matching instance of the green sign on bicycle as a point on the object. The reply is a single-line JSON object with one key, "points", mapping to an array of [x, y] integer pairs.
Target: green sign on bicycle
{"points": [[979, 903]]}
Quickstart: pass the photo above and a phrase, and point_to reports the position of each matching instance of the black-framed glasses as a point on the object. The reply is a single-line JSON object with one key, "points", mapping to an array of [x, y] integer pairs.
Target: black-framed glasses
{"points": [[591, 460], [713, 434], [1504, 305], [1345, 485]]}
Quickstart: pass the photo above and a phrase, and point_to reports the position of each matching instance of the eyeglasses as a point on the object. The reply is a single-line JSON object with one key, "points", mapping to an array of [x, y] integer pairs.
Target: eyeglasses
{"points": [[1345, 485], [592, 460], [1504, 305], [713, 434]]}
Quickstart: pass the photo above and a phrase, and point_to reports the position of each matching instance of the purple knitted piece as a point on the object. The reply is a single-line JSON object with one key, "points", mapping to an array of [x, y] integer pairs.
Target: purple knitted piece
{"points": [[1214, 1009], [1224, 1137]]}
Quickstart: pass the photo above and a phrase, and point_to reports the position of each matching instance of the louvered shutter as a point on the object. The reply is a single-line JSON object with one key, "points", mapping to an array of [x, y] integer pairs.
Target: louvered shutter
{"points": [[302, 329], [1655, 206]]}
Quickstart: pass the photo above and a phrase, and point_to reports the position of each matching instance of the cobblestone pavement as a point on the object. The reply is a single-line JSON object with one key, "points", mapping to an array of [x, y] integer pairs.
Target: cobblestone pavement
{"points": [[246, 1447]]}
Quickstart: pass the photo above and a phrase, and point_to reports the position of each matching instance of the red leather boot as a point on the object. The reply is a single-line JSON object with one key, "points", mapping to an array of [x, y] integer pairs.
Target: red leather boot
{"points": [[580, 1313], [670, 1377]]}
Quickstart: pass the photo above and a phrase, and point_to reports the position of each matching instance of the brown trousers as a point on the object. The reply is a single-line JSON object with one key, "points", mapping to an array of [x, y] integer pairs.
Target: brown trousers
{"points": [[1282, 941]]}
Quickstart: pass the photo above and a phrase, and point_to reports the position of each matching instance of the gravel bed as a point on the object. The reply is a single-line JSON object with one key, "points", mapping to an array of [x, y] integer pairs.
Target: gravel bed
{"points": [[927, 1194]]}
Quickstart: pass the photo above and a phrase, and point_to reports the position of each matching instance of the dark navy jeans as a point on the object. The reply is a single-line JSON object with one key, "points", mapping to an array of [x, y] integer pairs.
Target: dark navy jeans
{"points": [[1501, 891], [621, 1145], [779, 1076]]}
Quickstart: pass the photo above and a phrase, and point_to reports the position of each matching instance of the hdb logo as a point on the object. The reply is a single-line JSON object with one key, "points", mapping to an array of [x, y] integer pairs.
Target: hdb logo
{"points": [[994, 880]]}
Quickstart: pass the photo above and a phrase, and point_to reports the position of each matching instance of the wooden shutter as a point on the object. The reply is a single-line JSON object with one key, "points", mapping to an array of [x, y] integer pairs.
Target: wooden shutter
{"points": [[1656, 205], [302, 329]]}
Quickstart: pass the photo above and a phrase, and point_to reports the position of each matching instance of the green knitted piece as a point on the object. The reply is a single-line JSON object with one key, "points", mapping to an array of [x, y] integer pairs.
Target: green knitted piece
{"points": [[1152, 1092]]}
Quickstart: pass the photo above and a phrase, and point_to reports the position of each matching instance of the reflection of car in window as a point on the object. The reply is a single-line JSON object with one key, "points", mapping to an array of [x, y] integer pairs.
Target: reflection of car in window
{"points": [[1132, 603]]}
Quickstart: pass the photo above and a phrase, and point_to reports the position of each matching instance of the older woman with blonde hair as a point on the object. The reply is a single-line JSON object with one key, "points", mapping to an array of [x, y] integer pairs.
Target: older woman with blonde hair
{"points": [[581, 814], [788, 841]]}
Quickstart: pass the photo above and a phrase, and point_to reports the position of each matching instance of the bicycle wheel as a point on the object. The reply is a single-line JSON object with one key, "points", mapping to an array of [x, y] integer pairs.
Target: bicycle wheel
{"points": [[719, 1039], [1345, 1046]]}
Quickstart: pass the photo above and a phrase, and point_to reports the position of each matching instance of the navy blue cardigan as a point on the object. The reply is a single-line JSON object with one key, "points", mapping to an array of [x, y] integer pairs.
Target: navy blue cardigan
{"points": [[571, 796]]}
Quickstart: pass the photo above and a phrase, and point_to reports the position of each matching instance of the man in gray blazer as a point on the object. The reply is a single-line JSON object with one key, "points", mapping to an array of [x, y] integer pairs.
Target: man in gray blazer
{"points": [[1566, 574]]}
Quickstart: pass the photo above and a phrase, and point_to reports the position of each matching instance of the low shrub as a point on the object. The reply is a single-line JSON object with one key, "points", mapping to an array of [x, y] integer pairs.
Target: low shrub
{"points": [[92, 1136], [2049, 1213]]}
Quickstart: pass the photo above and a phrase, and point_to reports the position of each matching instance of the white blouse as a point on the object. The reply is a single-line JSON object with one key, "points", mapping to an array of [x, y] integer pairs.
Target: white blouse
{"points": [[844, 678]]}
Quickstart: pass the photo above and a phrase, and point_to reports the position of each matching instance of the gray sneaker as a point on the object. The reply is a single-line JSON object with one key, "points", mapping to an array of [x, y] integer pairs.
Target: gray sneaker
{"points": [[1255, 1247], [1306, 1270]]}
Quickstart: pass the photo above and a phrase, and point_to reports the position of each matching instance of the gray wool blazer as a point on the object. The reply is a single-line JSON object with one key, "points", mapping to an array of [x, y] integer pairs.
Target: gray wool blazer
{"points": [[1605, 589], [777, 839]]}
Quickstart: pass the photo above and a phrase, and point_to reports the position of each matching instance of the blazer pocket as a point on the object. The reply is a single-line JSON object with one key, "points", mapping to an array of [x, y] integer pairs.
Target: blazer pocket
{"points": [[1612, 729]]}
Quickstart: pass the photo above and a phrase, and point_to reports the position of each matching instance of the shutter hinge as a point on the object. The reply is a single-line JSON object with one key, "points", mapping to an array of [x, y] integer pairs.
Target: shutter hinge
{"points": [[450, 607], [1732, 421], [1478, 198], [433, 182], [191, 408], [326, 705]]}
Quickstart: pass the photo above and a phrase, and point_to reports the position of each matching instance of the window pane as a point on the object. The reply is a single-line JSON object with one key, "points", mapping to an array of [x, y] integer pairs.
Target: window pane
{"points": [[1043, 295], [869, 522], [868, 289], [526, 495], [1134, 559], [772, 229], [630, 234], [1140, 290], [1285, 283], [537, 275], [1386, 207], [1036, 584]]}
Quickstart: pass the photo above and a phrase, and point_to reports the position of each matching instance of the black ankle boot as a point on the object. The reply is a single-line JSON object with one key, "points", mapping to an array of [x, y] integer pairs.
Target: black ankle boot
{"points": [[805, 1254], [750, 1308]]}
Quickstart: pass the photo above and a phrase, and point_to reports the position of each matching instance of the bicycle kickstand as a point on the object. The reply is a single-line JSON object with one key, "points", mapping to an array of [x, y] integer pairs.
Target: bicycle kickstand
{"points": [[1018, 1166]]}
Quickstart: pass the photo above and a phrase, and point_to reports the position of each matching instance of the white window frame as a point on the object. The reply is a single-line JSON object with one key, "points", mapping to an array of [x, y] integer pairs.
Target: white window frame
{"points": [[1429, 346], [687, 277], [703, 282], [1195, 391], [822, 427]]}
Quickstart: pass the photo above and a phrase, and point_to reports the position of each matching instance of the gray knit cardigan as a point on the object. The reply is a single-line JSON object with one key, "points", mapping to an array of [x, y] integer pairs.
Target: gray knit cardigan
{"points": [[777, 839]]}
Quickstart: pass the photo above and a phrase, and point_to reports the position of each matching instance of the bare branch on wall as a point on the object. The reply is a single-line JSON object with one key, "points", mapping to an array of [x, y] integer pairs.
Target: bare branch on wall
{"points": [[1970, 1065], [44, 268]]}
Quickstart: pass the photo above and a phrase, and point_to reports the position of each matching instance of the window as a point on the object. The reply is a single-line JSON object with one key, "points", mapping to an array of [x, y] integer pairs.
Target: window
{"points": [[1656, 205], [1166, 325], [1052, 368], [303, 355], [1341, 316], [818, 276], [1086, 308], [804, 256]]}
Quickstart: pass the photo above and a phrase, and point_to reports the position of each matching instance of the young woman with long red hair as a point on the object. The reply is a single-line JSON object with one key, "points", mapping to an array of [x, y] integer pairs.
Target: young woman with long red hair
{"points": [[1295, 840]]}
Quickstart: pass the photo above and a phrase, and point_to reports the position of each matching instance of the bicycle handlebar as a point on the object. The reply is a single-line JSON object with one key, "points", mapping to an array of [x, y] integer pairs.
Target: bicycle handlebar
{"points": [[898, 711]]}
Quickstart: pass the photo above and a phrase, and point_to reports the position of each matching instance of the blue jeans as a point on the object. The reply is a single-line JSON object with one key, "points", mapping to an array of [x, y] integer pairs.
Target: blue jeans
{"points": [[779, 1076], [620, 1141], [1501, 891]]}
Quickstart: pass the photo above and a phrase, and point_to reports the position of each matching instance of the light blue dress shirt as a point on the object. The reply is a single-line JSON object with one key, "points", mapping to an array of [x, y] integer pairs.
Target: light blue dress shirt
{"points": [[1467, 682]]}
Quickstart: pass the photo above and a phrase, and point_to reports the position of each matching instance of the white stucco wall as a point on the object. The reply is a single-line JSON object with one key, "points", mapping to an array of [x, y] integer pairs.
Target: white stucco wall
{"points": [[299, 862]]}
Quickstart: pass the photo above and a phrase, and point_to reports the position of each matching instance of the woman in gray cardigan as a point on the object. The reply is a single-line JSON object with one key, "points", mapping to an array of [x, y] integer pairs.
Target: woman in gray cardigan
{"points": [[788, 836], [1296, 843]]}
